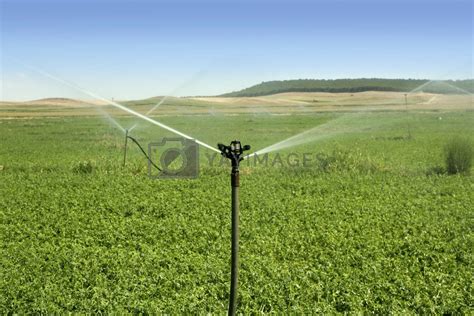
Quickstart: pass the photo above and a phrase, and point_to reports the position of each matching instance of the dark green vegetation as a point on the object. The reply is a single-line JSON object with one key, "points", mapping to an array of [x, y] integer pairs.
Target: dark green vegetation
{"points": [[347, 85], [364, 229], [459, 154]]}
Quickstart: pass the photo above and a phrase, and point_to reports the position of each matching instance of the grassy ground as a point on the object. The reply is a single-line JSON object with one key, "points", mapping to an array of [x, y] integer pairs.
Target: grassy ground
{"points": [[283, 103], [364, 227]]}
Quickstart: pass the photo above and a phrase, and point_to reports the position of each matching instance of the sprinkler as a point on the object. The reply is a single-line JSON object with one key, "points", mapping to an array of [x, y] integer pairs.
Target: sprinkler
{"points": [[125, 148], [234, 152], [127, 137]]}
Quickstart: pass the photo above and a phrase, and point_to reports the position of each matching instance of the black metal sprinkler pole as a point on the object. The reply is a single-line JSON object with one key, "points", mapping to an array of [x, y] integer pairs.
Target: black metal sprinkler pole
{"points": [[125, 149], [234, 152], [234, 271]]}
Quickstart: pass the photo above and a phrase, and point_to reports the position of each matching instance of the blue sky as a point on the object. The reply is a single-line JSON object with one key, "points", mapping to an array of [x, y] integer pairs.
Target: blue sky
{"points": [[138, 49]]}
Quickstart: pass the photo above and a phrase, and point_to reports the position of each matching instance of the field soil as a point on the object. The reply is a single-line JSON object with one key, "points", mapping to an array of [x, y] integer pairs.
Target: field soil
{"points": [[284, 103]]}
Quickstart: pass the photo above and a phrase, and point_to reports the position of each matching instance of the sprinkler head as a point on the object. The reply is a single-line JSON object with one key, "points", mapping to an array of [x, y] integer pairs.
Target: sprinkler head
{"points": [[234, 151]]}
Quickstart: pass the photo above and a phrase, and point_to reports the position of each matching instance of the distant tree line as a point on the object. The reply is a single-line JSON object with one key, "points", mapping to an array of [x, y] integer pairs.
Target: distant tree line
{"points": [[355, 85]]}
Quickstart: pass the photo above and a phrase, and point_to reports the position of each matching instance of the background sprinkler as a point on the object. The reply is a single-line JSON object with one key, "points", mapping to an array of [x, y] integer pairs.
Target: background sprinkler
{"points": [[125, 148], [234, 152], [127, 137]]}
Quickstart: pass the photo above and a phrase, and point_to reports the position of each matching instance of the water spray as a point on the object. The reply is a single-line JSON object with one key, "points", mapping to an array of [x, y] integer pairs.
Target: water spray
{"points": [[125, 148], [163, 99], [234, 152], [116, 105]]}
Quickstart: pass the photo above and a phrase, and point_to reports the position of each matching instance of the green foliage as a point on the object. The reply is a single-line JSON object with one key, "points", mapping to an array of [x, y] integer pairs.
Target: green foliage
{"points": [[365, 231], [459, 153], [345, 160], [344, 85], [83, 167], [435, 170]]}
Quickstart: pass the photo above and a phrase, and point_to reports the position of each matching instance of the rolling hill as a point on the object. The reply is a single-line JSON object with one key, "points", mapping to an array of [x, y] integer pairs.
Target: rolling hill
{"points": [[352, 85]]}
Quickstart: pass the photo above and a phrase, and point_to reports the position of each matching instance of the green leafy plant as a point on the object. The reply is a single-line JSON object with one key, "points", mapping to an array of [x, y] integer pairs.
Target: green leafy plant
{"points": [[344, 160], [435, 170], [84, 167], [458, 155], [362, 230]]}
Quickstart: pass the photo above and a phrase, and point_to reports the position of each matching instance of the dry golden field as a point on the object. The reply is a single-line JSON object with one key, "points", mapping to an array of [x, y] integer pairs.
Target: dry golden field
{"points": [[283, 103]]}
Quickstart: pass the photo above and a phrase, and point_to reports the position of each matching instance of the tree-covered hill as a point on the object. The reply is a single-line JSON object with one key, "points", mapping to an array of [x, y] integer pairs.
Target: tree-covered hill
{"points": [[354, 85]]}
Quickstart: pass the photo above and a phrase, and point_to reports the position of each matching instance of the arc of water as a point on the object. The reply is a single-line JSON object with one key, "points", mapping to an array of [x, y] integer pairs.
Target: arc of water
{"points": [[347, 123], [441, 82], [157, 105], [119, 106], [457, 88], [111, 119], [305, 136], [163, 99], [421, 86], [186, 83], [150, 111]]}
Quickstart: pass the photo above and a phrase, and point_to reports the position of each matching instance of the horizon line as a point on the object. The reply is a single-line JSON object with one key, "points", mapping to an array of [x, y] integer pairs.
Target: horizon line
{"points": [[233, 91]]}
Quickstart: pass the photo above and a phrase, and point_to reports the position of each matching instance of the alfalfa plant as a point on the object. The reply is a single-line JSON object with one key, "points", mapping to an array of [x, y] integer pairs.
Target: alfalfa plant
{"points": [[459, 153], [84, 167]]}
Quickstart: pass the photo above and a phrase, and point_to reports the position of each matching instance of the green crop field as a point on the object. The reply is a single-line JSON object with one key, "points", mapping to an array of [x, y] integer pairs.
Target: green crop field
{"points": [[366, 224]]}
